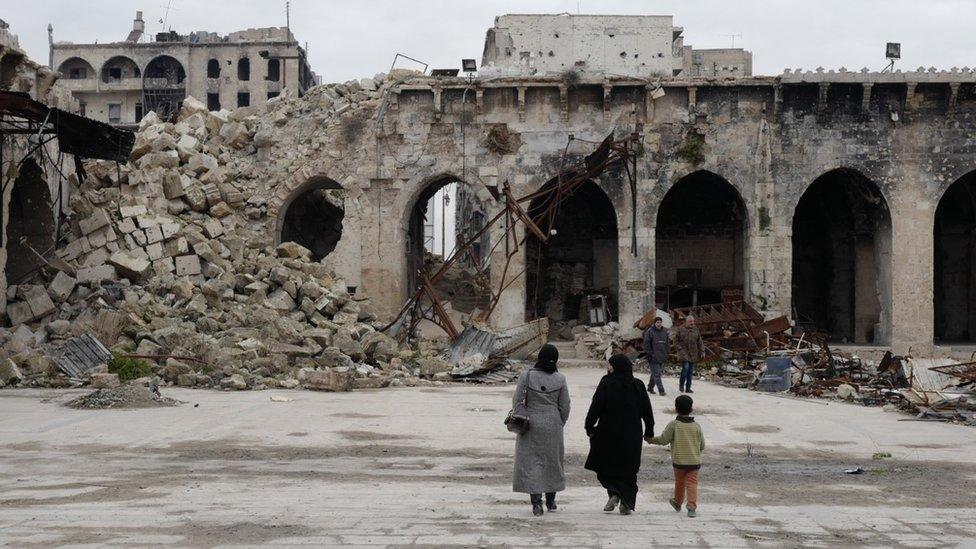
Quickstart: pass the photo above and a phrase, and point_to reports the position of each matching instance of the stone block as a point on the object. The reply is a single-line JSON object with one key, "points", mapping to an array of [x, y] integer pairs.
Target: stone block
{"points": [[95, 275], [132, 211], [9, 372], [187, 265], [172, 187], [153, 234], [19, 313], [164, 265], [169, 230], [126, 225], [61, 286], [220, 209], [40, 303], [155, 251], [292, 250], [98, 219], [326, 380], [213, 228], [75, 249], [104, 381], [129, 266]]}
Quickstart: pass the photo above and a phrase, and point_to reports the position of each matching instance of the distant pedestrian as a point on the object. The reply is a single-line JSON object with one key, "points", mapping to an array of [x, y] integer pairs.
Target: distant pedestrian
{"points": [[687, 444], [690, 349], [539, 451], [613, 424], [656, 350]]}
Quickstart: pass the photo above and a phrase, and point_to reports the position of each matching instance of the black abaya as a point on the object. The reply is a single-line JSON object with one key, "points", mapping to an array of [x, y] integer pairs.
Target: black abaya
{"points": [[613, 424]]}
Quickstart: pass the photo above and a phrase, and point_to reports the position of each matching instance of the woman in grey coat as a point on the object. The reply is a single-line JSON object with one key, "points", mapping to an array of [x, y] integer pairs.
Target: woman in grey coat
{"points": [[539, 451]]}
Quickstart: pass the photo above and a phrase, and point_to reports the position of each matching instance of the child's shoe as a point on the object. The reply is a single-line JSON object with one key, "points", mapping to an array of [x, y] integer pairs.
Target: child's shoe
{"points": [[691, 513], [675, 504]]}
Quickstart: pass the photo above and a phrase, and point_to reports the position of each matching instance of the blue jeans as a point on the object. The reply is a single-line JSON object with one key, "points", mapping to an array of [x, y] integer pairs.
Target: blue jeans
{"points": [[687, 371]]}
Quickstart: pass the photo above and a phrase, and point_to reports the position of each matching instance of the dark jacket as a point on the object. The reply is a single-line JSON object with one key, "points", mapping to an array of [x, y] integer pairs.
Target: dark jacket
{"points": [[688, 344], [656, 344], [613, 423]]}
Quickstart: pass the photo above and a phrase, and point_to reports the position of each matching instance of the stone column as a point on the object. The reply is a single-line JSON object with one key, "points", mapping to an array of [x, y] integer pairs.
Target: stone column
{"points": [[636, 273], [510, 310], [911, 266]]}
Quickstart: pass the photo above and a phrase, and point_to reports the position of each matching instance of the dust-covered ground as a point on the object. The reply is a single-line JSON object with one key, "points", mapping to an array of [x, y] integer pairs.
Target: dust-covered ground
{"points": [[431, 467]]}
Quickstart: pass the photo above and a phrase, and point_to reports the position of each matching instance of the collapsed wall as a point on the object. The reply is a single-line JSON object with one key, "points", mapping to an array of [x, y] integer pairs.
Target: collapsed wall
{"points": [[173, 256]]}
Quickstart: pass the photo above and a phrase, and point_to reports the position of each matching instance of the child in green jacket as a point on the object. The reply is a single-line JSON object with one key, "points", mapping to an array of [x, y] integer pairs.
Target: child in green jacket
{"points": [[687, 443]]}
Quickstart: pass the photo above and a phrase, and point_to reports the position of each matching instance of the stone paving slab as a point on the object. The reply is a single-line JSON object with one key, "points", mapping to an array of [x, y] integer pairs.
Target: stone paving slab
{"points": [[429, 467]]}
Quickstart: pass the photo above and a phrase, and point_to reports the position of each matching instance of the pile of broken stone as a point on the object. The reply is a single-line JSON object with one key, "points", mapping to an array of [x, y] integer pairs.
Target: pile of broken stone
{"points": [[170, 256]]}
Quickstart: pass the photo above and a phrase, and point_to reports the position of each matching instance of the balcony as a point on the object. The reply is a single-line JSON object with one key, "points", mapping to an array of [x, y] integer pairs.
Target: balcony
{"points": [[121, 84]]}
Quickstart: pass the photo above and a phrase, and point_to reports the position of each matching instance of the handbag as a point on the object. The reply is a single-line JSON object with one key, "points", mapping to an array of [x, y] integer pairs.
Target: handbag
{"points": [[517, 420]]}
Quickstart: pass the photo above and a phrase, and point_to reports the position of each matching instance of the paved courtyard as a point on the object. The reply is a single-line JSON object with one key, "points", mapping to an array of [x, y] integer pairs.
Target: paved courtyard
{"points": [[431, 467]]}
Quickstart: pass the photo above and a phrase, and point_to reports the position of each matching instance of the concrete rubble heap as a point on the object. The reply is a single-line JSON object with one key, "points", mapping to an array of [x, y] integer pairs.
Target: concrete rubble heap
{"points": [[170, 255]]}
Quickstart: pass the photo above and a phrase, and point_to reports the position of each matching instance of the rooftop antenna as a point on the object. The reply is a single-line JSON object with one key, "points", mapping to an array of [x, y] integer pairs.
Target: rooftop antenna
{"points": [[733, 37], [165, 20]]}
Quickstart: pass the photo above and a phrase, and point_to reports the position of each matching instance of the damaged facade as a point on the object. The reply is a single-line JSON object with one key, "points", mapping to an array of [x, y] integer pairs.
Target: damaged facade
{"points": [[616, 45], [836, 198], [119, 82]]}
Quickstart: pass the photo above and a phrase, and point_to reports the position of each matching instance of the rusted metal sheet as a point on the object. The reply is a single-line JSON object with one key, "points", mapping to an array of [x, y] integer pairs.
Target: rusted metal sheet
{"points": [[80, 355]]}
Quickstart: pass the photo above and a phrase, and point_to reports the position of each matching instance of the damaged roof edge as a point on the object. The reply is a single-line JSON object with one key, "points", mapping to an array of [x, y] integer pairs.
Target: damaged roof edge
{"points": [[76, 134]]}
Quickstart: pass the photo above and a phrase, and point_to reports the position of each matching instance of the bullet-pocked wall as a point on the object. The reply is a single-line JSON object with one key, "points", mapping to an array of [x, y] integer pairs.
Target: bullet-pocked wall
{"points": [[768, 139]]}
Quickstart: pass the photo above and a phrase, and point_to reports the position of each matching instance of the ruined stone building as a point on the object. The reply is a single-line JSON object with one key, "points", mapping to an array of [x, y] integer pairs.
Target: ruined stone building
{"points": [[615, 45], [38, 143], [841, 199], [118, 82]]}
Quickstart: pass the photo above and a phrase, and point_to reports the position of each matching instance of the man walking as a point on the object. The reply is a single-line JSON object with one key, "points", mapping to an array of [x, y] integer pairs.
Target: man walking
{"points": [[690, 349], [656, 350]]}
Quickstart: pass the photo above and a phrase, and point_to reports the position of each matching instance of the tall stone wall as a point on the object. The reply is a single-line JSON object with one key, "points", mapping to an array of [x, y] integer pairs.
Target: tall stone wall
{"points": [[769, 138]]}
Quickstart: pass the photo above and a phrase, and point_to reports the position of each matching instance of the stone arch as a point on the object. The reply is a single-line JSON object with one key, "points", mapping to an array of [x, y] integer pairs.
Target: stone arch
{"points": [[312, 216], [164, 85], [701, 242], [430, 234], [580, 260], [118, 68], [31, 222], [842, 258], [954, 262], [76, 68]]}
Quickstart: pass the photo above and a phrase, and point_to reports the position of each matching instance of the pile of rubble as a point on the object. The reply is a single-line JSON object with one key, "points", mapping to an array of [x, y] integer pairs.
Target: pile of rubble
{"points": [[170, 258], [930, 389]]}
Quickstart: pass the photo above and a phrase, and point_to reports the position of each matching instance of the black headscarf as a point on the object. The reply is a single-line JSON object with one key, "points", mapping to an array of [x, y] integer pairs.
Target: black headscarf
{"points": [[548, 356], [622, 366]]}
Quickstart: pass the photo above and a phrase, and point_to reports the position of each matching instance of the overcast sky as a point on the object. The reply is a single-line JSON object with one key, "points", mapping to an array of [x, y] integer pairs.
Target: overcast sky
{"points": [[354, 38]]}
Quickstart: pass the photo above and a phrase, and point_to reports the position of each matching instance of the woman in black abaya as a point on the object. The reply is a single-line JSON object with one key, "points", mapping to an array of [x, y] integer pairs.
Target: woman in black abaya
{"points": [[613, 424]]}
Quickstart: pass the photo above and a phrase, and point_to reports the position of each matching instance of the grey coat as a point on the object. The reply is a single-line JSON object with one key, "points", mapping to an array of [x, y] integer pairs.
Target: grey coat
{"points": [[539, 452]]}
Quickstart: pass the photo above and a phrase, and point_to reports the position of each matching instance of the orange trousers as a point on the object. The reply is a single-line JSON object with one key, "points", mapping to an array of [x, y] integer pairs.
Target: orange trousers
{"points": [[686, 484]]}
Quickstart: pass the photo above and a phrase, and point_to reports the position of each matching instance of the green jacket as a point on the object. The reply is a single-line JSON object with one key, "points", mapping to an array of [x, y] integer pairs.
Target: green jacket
{"points": [[686, 440]]}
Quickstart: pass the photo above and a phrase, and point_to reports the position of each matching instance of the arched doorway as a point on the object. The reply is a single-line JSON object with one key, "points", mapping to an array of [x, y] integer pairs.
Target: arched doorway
{"points": [[31, 225], [447, 212], [119, 68], [164, 87], [955, 262], [578, 263], [313, 216], [700, 243], [841, 258], [76, 68]]}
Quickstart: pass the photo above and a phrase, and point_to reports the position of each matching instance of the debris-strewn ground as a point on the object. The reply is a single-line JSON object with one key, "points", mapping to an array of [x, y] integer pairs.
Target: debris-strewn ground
{"points": [[172, 256], [124, 396], [432, 467]]}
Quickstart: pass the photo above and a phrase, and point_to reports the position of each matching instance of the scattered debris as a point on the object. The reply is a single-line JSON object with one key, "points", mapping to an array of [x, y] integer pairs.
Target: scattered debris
{"points": [[125, 396]]}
